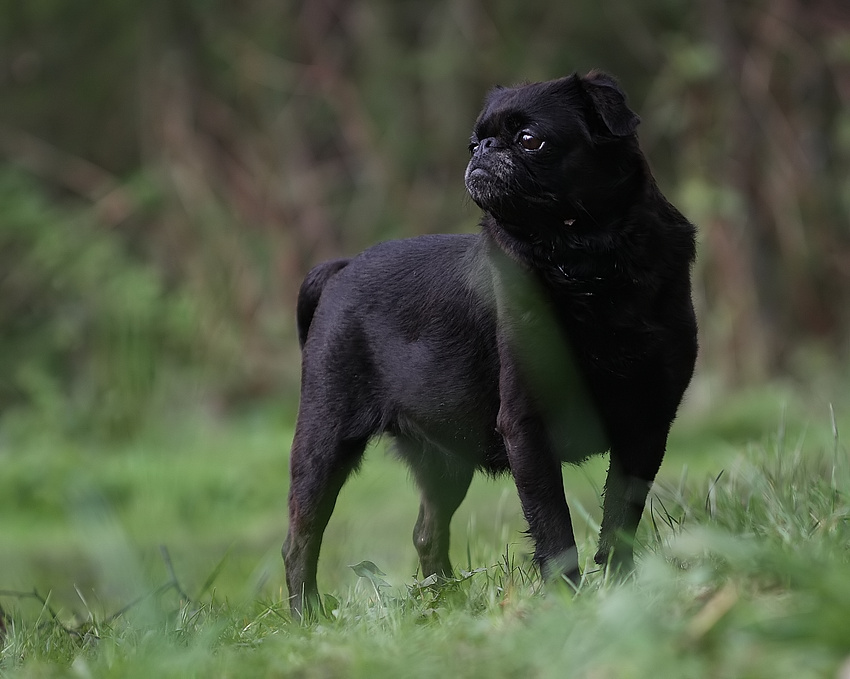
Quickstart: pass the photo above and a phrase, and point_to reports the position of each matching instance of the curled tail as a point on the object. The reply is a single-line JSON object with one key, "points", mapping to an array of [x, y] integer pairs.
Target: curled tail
{"points": [[311, 291]]}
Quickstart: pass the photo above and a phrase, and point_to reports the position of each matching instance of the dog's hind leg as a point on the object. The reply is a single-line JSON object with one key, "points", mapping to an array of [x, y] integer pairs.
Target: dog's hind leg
{"points": [[442, 482], [320, 463]]}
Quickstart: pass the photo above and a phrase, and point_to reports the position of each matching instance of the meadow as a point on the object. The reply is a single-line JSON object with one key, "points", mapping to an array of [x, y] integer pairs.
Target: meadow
{"points": [[159, 557]]}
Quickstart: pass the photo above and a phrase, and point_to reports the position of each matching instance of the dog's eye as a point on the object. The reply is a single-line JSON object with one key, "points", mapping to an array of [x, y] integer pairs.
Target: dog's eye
{"points": [[529, 142], [472, 146]]}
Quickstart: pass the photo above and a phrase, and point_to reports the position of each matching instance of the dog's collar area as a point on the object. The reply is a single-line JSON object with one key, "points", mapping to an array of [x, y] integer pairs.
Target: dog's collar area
{"points": [[580, 284], [569, 222]]}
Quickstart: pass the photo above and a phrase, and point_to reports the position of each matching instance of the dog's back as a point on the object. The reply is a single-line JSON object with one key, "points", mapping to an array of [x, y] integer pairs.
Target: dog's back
{"points": [[422, 353]]}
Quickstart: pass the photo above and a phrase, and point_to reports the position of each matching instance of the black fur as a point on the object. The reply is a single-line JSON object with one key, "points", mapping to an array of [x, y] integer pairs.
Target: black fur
{"points": [[563, 330], [310, 292]]}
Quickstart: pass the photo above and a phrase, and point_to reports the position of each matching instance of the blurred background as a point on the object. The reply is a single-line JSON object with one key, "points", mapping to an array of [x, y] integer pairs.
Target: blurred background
{"points": [[169, 171]]}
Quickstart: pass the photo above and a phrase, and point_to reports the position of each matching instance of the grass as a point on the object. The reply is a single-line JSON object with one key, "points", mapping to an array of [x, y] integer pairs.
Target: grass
{"points": [[160, 558]]}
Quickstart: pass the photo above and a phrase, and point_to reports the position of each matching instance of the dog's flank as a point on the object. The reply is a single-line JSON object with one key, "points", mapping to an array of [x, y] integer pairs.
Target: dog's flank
{"points": [[563, 329]]}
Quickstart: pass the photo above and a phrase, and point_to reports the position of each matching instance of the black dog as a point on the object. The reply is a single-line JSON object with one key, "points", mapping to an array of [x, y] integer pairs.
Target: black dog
{"points": [[562, 330]]}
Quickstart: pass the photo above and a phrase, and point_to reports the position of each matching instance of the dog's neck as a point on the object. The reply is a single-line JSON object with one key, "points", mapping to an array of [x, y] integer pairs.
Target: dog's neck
{"points": [[589, 226], [556, 244], [579, 254], [550, 258]]}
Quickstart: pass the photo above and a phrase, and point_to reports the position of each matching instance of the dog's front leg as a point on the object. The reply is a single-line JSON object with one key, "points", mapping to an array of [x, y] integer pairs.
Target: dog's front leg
{"points": [[635, 462], [537, 473]]}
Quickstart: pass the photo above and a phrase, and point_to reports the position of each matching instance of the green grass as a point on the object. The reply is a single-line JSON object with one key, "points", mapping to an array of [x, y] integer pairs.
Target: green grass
{"points": [[743, 568]]}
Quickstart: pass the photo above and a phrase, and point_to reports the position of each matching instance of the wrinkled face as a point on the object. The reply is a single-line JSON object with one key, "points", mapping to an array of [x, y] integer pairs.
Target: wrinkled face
{"points": [[535, 149], [522, 146]]}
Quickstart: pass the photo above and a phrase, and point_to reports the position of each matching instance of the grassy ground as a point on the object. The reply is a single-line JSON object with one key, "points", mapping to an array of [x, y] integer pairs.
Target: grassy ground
{"points": [[161, 558]]}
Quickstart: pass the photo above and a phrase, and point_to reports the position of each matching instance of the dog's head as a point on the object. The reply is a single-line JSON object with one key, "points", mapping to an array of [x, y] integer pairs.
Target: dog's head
{"points": [[550, 154]]}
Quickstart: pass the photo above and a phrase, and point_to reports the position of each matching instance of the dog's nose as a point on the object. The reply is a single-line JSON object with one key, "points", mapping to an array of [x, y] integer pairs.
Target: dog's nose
{"points": [[486, 144]]}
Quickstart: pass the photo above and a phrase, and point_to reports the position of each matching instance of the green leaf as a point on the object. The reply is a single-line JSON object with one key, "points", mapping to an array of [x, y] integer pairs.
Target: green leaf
{"points": [[369, 571]]}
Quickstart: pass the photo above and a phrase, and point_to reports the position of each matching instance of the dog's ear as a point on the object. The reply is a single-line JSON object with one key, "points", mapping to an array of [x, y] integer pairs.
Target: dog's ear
{"points": [[609, 101]]}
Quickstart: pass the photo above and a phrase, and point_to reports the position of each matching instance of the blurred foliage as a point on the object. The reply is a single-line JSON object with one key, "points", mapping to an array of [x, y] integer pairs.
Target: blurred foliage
{"points": [[87, 330], [187, 162]]}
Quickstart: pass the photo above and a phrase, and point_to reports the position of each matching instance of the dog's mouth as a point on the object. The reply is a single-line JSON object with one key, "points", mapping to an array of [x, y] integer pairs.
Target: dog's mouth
{"points": [[477, 177], [476, 172], [483, 186], [490, 182], [495, 189]]}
